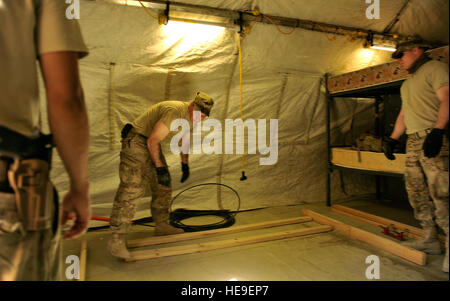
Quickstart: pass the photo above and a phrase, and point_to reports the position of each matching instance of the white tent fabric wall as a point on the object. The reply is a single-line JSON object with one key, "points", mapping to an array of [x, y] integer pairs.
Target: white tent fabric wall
{"points": [[283, 79]]}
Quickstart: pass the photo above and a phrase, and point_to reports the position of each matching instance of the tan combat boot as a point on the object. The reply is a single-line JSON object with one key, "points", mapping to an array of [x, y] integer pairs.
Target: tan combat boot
{"points": [[429, 243], [117, 246], [161, 219], [445, 263]]}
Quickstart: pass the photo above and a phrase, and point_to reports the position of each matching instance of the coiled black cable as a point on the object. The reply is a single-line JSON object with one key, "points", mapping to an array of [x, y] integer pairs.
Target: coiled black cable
{"points": [[177, 216], [228, 217]]}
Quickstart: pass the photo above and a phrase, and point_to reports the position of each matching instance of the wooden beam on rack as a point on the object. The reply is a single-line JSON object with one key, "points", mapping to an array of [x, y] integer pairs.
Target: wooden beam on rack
{"points": [[155, 240], [229, 243], [408, 230], [83, 255], [370, 238]]}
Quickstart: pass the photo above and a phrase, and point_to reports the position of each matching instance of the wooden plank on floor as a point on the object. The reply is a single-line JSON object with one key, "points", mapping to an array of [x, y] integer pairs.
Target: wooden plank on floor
{"points": [[378, 219], [155, 240], [375, 223], [209, 246], [411, 231], [83, 257], [370, 238]]}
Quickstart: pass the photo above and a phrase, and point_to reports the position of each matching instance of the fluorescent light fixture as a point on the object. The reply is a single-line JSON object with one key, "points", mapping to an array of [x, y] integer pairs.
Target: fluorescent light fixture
{"points": [[167, 15], [380, 43], [203, 22], [233, 279], [385, 48]]}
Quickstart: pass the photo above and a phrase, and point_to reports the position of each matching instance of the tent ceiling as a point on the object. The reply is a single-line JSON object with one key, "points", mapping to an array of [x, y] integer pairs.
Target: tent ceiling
{"points": [[429, 19], [304, 50], [282, 80]]}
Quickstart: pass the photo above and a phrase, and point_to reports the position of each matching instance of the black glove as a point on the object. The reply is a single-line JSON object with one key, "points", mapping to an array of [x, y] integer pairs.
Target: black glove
{"points": [[388, 148], [185, 170], [163, 176], [433, 143]]}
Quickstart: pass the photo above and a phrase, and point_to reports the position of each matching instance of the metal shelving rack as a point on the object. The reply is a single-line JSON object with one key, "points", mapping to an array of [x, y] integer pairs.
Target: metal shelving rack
{"points": [[374, 92]]}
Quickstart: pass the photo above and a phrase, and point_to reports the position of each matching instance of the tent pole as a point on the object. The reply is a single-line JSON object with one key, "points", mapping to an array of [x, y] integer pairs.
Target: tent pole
{"points": [[251, 16], [328, 117]]}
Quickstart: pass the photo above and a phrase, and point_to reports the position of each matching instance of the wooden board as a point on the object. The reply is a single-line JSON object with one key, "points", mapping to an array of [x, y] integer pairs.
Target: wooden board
{"points": [[154, 240], [373, 76], [370, 238], [209, 246], [410, 231], [83, 254], [376, 220], [346, 157]]}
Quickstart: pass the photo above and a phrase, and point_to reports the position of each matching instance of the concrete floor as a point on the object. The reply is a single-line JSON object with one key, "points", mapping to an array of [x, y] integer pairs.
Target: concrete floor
{"points": [[320, 257]]}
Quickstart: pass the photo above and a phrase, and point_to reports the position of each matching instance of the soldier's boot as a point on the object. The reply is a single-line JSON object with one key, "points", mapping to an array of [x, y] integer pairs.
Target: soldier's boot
{"points": [[429, 243], [117, 246], [445, 263], [161, 219]]}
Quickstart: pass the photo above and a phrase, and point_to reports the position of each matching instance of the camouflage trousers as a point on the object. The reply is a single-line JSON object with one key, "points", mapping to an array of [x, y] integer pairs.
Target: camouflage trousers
{"points": [[137, 179], [426, 182], [26, 255]]}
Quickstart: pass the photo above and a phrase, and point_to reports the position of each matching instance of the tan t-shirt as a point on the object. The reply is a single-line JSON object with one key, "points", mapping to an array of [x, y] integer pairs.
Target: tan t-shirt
{"points": [[419, 99], [166, 111], [29, 28]]}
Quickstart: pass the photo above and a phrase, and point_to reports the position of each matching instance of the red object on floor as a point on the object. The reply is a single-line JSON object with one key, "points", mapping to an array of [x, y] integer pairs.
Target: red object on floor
{"points": [[390, 230], [97, 218]]}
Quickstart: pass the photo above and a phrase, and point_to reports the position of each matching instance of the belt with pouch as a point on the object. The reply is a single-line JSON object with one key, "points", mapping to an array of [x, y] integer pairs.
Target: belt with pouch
{"points": [[424, 133], [129, 128], [420, 134], [24, 171]]}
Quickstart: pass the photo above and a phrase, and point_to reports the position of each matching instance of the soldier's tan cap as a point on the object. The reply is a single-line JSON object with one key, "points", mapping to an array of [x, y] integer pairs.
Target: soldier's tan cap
{"points": [[408, 45], [203, 102]]}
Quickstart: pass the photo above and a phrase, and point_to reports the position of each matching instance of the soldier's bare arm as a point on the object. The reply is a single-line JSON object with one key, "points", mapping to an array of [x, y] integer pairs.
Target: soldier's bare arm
{"points": [[185, 148], [159, 132], [69, 124], [442, 118], [399, 127]]}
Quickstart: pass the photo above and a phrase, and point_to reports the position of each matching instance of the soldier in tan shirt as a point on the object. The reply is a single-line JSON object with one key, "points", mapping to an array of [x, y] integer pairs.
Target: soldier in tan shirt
{"points": [[30, 30], [424, 118], [143, 166]]}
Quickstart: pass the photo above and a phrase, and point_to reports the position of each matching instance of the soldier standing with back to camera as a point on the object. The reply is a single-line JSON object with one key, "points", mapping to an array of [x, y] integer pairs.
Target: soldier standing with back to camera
{"points": [[424, 118], [29, 223]]}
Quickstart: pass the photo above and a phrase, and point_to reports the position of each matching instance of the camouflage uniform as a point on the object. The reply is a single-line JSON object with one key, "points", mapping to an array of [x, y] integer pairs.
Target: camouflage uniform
{"points": [[425, 178], [138, 173], [137, 176]]}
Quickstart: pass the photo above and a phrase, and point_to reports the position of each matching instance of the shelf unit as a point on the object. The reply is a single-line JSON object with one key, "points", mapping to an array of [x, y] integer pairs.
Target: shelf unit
{"points": [[373, 92], [372, 82]]}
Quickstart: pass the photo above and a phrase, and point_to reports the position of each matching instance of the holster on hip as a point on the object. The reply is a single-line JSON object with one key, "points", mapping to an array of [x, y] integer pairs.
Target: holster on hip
{"points": [[126, 129], [34, 193]]}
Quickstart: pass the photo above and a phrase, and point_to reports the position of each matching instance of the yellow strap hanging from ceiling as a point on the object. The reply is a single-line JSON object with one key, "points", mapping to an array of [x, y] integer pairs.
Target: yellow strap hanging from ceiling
{"points": [[242, 103], [147, 11]]}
